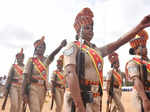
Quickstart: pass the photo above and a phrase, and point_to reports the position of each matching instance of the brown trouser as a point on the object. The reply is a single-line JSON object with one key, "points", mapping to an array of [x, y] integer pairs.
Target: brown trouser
{"points": [[116, 102], [16, 98], [59, 99], [90, 107], [36, 97]]}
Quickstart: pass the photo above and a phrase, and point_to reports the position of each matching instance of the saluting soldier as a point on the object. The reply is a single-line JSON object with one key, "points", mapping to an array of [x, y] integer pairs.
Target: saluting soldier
{"points": [[138, 70], [92, 78], [114, 77], [36, 75], [15, 77], [58, 85]]}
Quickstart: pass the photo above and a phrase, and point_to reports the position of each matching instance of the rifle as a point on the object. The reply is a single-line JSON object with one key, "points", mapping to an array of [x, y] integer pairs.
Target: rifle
{"points": [[53, 92], [143, 75], [8, 89], [80, 58], [27, 87], [109, 100]]}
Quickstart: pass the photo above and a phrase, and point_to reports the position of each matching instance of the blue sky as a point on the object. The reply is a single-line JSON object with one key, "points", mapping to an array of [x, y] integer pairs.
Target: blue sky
{"points": [[24, 21]]}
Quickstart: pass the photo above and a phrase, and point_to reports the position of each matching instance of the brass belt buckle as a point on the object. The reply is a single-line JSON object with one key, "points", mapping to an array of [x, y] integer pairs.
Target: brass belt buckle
{"points": [[94, 88]]}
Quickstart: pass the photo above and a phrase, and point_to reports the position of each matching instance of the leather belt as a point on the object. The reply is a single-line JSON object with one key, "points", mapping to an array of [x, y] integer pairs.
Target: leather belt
{"points": [[116, 86], [17, 81], [57, 85], [37, 77], [96, 94], [41, 82], [89, 82], [147, 88]]}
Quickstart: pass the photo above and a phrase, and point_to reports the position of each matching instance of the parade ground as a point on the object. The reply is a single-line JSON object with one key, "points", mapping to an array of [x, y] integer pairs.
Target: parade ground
{"points": [[126, 99]]}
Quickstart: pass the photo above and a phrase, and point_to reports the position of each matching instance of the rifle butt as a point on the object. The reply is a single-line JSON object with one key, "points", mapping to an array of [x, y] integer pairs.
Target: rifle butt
{"points": [[52, 103], [73, 108], [4, 103]]}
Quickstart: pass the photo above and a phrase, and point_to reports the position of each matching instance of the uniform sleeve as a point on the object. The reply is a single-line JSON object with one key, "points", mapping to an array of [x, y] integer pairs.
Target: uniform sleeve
{"points": [[48, 61], [133, 70], [27, 68], [103, 50], [9, 75], [70, 54]]}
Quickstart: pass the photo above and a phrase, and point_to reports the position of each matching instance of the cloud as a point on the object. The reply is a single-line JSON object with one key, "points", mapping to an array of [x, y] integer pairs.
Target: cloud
{"points": [[14, 36]]}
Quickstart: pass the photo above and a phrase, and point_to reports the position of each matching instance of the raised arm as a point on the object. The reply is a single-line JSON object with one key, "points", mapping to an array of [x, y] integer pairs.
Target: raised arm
{"points": [[125, 38], [56, 51]]}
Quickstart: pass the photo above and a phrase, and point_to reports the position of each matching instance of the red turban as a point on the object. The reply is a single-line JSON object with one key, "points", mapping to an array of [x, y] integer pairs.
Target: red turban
{"points": [[84, 17]]}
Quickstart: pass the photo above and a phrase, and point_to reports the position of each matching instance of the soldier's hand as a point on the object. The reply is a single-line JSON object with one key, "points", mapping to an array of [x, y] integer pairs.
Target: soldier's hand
{"points": [[80, 106], [5, 94], [146, 105], [145, 22], [64, 43], [25, 99]]}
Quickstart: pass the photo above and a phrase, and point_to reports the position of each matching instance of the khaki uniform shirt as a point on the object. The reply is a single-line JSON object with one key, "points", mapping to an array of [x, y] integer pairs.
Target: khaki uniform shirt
{"points": [[35, 72], [70, 58], [109, 75], [133, 70], [58, 80], [16, 75]]}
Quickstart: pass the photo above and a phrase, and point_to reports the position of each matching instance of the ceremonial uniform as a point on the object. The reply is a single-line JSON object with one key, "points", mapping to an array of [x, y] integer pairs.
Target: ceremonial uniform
{"points": [[114, 84], [117, 92], [59, 89], [58, 82], [36, 75], [92, 75], [89, 85], [133, 69], [37, 91], [16, 72]]}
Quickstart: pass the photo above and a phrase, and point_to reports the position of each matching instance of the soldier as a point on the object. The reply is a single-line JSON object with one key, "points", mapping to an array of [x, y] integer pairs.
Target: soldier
{"points": [[92, 77], [138, 70], [114, 81], [35, 83], [15, 77], [58, 85]]}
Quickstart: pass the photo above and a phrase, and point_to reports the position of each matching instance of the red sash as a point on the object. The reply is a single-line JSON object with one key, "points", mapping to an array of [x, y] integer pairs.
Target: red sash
{"points": [[59, 74], [40, 67], [118, 77], [96, 59], [18, 69], [139, 61]]}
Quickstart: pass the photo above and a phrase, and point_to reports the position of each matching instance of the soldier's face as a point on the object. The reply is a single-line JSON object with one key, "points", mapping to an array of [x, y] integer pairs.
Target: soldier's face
{"points": [[116, 64], [141, 50], [39, 50], [88, 32], [20, 60], [59, 65]]}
